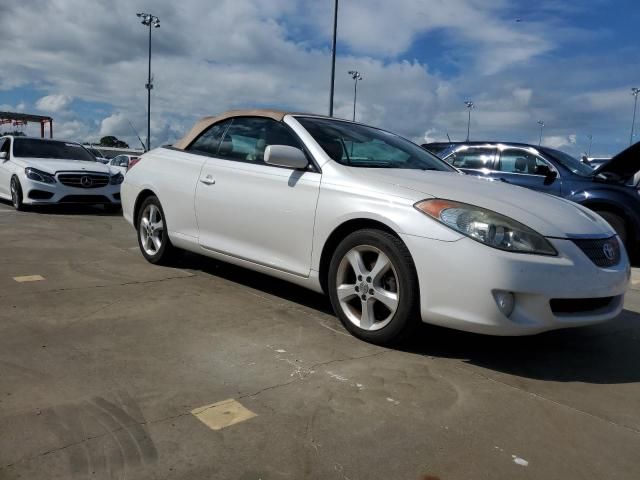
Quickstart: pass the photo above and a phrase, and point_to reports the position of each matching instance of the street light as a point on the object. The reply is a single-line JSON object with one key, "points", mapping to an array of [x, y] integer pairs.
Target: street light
{"points": [[356, 78], [150, 21], [634, 92], [333, 57], [541, 123], [470, 105]]}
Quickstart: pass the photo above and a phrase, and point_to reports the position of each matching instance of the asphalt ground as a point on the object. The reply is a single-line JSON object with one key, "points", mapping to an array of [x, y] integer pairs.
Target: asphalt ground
{"points": [[112, 368]]}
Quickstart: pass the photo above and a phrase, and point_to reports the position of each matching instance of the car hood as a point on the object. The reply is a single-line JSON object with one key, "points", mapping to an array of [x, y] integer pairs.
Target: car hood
{"points": [[548, 215], [53, 166], [624, 165]]}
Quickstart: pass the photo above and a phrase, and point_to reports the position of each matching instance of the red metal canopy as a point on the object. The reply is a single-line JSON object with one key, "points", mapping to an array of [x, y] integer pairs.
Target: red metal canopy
{"points": [[18, 119]]}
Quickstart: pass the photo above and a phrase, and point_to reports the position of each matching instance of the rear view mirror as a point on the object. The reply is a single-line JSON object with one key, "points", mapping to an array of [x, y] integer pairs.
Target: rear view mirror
{"points": [[3, 155], [285, 156]]}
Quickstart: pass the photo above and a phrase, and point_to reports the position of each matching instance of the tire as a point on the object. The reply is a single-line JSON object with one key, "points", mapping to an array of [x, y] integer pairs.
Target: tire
{"points": [[16, 195], [154, 243], [618, 224], [355, 268]]}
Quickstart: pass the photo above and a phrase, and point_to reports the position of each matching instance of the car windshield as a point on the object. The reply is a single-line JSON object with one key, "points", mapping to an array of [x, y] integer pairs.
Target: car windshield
{"points": [[25, 147], [357, 145], [573, 164]]}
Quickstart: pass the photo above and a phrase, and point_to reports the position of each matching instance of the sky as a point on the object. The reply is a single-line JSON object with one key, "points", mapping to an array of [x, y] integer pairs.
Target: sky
{"points": [[569, 63]]}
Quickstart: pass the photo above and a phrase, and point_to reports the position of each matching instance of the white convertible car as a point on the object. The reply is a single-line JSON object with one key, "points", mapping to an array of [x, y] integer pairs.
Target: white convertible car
{"points": [[392, 234], [35, 171]]}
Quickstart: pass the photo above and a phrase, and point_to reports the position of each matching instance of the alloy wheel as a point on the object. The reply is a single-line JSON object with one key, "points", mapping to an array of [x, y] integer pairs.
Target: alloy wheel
{"points": [[15, 199], [367, 287], [151, 229]]}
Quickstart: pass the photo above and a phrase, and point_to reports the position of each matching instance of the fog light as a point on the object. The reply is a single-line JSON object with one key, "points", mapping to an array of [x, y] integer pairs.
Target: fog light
{"points": [[505, 301]]}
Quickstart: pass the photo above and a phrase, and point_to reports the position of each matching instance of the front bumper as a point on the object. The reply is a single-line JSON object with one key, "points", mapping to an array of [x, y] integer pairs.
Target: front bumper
{"points": [[458, 280], [39, 193]]}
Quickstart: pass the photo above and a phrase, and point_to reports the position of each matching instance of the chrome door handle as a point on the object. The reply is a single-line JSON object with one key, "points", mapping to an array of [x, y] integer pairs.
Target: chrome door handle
{"points": [[208, 180]]}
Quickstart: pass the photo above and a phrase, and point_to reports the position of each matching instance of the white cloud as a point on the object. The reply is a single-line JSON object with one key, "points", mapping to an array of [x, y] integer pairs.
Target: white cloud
{"points": [[559, 141], [53, 103]]}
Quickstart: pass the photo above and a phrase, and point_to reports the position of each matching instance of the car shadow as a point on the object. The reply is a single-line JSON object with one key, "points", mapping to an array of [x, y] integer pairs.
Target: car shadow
{"points": [[608, 353]]}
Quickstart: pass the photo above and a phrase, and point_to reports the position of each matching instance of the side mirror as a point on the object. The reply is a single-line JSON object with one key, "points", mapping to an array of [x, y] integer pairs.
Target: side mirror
{"points": [[3, 156], [285, 156], [549, 175]]}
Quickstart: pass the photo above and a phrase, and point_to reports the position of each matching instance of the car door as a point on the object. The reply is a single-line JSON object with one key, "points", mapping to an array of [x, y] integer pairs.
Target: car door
{"points": [[473, 160], [523, 167], [254, 211], [5, 168]]}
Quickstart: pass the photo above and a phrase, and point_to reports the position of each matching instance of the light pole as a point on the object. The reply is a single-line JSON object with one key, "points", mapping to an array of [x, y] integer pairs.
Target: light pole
{"points": [[333, 57], [634, 92], [590, 137], [150, 21], [470, 106], [356, 78], [541, 123]]}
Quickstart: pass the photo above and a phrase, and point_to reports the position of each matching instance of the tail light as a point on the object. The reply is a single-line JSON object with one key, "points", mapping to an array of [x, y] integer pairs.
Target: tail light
{"points": [[132, 162]]}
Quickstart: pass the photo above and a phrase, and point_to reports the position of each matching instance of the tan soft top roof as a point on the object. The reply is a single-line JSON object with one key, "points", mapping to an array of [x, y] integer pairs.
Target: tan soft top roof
{"points": [[205, 122]]}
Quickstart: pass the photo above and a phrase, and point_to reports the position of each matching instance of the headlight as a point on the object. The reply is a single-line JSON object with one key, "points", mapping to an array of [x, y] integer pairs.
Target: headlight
{"points": [[39, 176], [485, 226], [116, 179]]}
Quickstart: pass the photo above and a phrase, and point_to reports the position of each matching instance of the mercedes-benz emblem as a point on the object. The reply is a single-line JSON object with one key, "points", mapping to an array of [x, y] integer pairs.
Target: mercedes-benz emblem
{"points": [[86, 181], [609, 251]]}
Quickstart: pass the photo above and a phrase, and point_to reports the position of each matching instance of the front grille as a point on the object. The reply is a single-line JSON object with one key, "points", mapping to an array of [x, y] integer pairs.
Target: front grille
{"points": [[92, 199], [604, 252], [579, 305], [83, 180]]}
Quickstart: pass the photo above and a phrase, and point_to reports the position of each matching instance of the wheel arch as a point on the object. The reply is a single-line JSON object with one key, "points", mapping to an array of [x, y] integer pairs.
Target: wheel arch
{"points": [[142, 196], [338, 234]]}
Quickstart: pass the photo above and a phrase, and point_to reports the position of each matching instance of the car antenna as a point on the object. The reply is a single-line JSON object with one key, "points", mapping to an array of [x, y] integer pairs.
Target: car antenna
{"points": [[136, 133], [450, 142]]}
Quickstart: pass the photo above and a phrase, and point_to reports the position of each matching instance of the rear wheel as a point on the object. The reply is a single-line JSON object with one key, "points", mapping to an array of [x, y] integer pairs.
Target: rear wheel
{"points": [[152, 233], [16, 195], [373, 286]]}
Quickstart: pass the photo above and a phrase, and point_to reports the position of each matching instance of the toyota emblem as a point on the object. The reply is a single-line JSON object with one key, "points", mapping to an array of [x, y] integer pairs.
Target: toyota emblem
{"points": [[86, 181], [609, 251]]}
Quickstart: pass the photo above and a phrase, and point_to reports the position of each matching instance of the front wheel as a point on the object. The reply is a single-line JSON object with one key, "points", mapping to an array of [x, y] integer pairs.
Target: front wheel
{"points": [[618, 224], [16, 195], [152, 233], [373, 286]]}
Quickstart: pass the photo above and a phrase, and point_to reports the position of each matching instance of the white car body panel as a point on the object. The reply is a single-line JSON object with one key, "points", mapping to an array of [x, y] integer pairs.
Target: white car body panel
{"points": [[277, 221]]}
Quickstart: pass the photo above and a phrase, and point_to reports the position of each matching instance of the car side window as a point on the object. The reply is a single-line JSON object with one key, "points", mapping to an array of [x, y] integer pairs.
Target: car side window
{"points": [[515, 160], [209, 141], [123, 161], [247, 138], [473, 157], [5, 146]]}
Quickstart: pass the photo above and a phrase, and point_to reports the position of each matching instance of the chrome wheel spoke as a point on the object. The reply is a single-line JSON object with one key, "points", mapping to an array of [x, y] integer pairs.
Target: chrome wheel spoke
{"points": [[355, 260], [367, 319], [387, 298], [157, 242], [158, 225], [346, 292], [145, 222], [381, 267]]}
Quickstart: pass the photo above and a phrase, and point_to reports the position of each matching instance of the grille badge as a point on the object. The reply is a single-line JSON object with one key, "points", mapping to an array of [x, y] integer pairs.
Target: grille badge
{"points": [[609, 251], [86, 181]]}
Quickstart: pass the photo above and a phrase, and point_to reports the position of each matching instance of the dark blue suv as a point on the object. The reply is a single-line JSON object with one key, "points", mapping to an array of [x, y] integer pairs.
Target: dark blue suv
{"points": [[611, 190]]}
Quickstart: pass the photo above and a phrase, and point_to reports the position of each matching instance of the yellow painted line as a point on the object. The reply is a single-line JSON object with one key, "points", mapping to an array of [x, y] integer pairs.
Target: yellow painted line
{"points": [[29, 278], [222, 414]]}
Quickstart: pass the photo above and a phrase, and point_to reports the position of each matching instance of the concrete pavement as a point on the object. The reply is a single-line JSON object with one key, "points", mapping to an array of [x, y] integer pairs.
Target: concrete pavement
{"points": [[114, 368]]}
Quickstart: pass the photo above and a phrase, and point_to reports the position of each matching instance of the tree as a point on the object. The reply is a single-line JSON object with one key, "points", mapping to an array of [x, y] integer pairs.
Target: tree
{"points": [[111, 141]]}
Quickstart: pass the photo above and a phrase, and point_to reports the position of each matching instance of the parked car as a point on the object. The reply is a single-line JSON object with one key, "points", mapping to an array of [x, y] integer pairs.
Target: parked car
{"points": [[609, 190], [99, 154], [34, 171], [595, 162], [122, 162], [390, 232]]}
